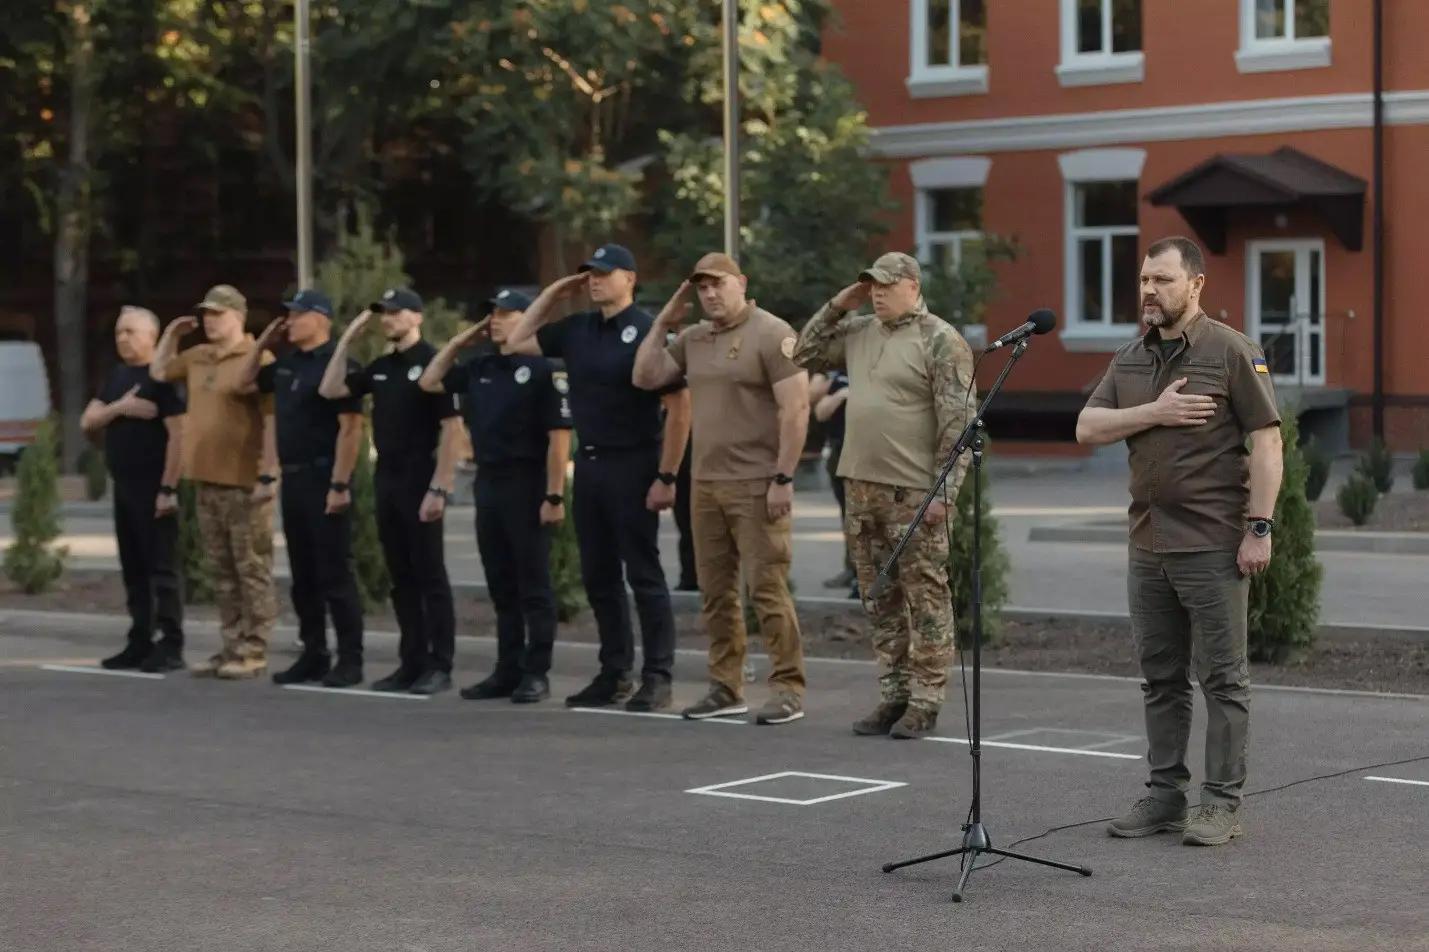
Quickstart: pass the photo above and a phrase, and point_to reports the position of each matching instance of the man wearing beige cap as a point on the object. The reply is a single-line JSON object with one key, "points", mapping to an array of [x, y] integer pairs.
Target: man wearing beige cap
{"points": [[751, 412], [229, 452], [910, 394]]}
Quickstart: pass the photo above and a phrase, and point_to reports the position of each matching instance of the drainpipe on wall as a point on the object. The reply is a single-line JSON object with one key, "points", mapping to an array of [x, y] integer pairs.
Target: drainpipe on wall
{"points": [[1377, 398]]}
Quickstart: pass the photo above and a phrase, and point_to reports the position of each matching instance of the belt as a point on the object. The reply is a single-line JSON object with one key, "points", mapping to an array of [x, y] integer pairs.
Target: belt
{"points": [[310, 464]]}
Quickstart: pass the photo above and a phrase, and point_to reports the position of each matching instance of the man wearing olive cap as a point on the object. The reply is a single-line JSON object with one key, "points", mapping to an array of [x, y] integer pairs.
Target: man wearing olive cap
{"points": [[910, 394]]}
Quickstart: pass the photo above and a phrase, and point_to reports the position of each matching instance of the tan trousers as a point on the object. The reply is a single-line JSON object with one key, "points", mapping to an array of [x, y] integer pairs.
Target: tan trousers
{"points": [[735, 542], [238, 538]]}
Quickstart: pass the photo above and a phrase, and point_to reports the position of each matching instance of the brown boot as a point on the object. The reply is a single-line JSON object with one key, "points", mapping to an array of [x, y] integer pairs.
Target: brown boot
{"points": [[209, 667], [915, 724], [883, 717], [236, 669]]}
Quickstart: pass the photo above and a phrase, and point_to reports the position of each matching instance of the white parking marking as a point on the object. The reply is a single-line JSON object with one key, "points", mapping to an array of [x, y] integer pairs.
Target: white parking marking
{"points": [[872, 786], [1045, 750], [357, 692], [83, 669], [659, 715], [1416, 783]]}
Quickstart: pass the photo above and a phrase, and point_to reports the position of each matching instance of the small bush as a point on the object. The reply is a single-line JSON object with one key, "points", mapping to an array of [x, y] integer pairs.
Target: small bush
{"points": [[1377, 465], [96, 475], [374, 584], [995, 565], [1317, 468], [193, 559], [1357, 498], [566, 566], [1421, 470], [1285, 598], [31, 562]]}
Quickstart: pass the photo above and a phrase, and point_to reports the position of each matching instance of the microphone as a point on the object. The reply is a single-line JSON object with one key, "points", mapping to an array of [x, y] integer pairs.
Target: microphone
{"points": [[1039, 321]]}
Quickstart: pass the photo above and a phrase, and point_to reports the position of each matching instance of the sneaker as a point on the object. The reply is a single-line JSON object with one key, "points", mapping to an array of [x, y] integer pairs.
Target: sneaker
{"points": [[345, 674], [433, 682], [308, 667], [533, 688], [881, 721], [782, 708], [163, 657], [720, 702], [606, 689], [131, 657], [654, 695], [916, 723], [237, 669], [1148, 815], [841, 580], [1213, 825], [209, 667], [495, 686], [397, 681]]}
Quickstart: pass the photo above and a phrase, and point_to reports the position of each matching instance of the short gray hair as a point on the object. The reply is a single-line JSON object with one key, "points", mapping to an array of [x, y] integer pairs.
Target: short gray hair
{"points": [[143, 313]]}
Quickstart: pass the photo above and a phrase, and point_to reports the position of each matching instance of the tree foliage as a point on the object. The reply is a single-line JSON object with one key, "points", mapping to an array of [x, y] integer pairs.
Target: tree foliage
{"points": [[31, 561], [1285, 598]]}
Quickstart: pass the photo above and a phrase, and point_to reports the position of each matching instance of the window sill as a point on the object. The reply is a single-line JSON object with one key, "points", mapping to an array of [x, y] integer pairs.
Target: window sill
{"points": [[1097, 338], [963, 81], [1278, 57], [1102, 70]]}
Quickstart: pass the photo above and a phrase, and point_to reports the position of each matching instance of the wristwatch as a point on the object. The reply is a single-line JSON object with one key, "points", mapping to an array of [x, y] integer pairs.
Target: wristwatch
{"points": [[667, 478], [780, 479], [338, 487], [1260, 527], [439, 491], [555, 499], [267, 479], [168, 491]]}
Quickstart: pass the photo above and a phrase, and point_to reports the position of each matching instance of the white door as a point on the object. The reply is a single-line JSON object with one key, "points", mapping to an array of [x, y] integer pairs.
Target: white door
{"points": [[1286, 308]]}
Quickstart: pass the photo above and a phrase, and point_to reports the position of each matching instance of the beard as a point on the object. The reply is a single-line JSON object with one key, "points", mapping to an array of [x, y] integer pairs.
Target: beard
{"points": [[1162, 315]]}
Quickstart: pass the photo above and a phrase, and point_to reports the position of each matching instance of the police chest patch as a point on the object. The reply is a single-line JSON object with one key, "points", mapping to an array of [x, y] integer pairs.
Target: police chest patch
{"points": [[628, 335], [414, 373], [786, 347], [523, 374], [559, 381]]}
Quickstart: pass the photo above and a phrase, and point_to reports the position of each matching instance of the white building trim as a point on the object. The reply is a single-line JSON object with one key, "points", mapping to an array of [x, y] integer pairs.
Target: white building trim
{"points": [[1100, 68], [1102, 165], [961, 172], [1162, 124], [1281, 53]]}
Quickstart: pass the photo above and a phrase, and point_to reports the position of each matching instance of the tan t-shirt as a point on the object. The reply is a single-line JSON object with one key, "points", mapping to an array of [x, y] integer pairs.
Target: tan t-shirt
{"points": [[732, 373], [223, 429]]}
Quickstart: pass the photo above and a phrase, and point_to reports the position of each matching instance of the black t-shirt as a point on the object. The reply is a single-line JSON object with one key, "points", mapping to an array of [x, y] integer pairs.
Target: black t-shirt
{"points": [[838, 380], [511, 403], [599, 355], [406, 420], [307, 423], [133, 448]]}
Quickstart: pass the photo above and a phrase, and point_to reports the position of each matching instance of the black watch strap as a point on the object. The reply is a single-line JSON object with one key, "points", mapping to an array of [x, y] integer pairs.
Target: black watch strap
{"points": [[267, 479], [168, 491], [782, 479], [439, 491], [667, 478], [555, 499], [339, 487]]}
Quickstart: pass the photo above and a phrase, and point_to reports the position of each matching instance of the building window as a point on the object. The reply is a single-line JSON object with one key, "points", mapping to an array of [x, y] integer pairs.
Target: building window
{"points": [[948, 46], [950, 222], [1101, 43], [1103, 241], [1283, 34]]}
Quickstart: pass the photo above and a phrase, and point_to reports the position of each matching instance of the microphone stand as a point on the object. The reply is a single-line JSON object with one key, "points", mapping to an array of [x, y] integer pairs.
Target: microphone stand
{"points": [[976, 840]]}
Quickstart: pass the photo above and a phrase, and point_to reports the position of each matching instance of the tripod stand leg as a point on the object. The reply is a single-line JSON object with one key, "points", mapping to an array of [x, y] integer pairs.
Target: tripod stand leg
{"points": [[890, 867], [967, 874], [1084, 870]]}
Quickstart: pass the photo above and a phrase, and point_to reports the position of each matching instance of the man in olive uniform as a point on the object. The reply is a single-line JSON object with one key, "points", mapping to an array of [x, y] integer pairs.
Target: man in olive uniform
{"points": [[751, 408], [1186, 396], [910, 397]]}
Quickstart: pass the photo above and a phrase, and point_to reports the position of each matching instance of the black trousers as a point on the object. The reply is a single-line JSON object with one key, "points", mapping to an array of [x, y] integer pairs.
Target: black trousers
{"points": [[689, 576], [516, 556], [320, 562], [148, 548], [416, 561], [836, 448], [618, 539]]}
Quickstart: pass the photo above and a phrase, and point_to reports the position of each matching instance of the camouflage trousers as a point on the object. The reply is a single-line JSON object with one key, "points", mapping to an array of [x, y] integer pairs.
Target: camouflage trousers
{"points": [[238, 539], [912, 619]]}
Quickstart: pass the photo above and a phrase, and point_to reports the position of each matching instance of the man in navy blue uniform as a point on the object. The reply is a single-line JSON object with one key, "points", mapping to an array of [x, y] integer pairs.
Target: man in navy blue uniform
{"points": [[318, 441], [515, 407], [625, 471], [414, 433]]}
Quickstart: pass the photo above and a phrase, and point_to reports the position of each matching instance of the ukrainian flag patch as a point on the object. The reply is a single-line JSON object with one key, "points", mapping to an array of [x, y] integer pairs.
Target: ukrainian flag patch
{"points": [[1261, 367]]}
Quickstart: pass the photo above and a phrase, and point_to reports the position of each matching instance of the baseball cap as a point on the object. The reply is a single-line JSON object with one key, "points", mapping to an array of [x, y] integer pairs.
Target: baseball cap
{"points": [[608, 258], [509, 299], [223, 297], [309, 299], [716, 265], [397, 299], [892, 267]]}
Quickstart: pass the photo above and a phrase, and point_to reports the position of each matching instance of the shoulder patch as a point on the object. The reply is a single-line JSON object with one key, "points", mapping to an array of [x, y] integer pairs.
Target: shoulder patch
{"points": [[560, 382], [786, 347], [1261, 367], [628, 335]]}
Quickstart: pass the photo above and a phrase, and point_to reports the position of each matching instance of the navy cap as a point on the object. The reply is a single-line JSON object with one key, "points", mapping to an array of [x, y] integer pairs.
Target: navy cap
{"points": [[397, 299], [509, 299], [609, 257], [309, 299]]}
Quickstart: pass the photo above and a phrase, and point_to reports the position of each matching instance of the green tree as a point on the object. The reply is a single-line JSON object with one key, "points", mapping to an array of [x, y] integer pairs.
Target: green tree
{"points": [[1285, 598], [373, 580], [31, 561], [960, 292], [995, 564], [566, 567], [193, 558]]}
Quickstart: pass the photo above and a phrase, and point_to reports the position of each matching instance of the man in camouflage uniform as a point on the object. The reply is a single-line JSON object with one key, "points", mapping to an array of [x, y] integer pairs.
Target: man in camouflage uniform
{"points": [[910, 396]]}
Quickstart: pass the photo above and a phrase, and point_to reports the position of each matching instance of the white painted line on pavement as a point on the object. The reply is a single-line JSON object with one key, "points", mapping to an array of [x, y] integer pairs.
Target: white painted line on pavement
{"points": [[82, 669], [357, 692], [658, 715], [1044, 750], [1416, 783], [873, 786]]}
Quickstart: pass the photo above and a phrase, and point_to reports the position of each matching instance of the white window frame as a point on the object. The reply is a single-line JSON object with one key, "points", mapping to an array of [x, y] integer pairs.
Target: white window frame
{"points": [[1083, 167], [1258, 55], [1298, 246], [930, 175], [1095, 69], [924, 81]]}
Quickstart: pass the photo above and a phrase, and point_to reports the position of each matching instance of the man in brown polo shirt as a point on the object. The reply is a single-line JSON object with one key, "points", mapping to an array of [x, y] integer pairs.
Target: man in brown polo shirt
{"points": [[229, 452], [1185, 397], [751, 414]]}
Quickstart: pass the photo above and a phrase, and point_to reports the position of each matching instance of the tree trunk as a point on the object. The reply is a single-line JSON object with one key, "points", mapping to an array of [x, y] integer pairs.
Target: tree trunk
{"points": [[72, 230]]}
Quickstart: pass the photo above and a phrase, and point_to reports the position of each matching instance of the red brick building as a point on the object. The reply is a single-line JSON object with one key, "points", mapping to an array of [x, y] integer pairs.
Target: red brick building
{"points": [[1089, 128]]}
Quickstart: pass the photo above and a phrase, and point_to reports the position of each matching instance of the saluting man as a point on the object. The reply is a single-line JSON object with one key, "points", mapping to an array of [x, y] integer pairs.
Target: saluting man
{"points": [[515, 407]]}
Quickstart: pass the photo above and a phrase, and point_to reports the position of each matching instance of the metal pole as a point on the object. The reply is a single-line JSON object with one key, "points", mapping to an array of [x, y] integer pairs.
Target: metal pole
{"points": [[1377, 264], [731, 127], [303, 173]]}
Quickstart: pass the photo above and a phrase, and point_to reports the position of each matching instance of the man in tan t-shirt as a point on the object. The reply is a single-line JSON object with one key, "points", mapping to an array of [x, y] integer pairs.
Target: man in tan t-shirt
{"points": [[230, 454], [751, 414]]}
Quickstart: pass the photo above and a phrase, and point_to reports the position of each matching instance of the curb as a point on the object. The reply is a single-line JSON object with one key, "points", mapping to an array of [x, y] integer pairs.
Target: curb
{"points": [[1326, 540]]}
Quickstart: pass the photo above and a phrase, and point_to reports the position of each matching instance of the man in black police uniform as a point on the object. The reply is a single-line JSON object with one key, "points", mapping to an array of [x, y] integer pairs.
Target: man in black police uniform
{"points": [[625, 474], [141, 420], [317, 450], [415, 436], [515, 407]]}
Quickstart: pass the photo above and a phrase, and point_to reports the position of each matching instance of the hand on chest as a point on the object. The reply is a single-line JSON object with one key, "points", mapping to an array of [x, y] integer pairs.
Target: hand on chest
{"points": [[1141, 378]]}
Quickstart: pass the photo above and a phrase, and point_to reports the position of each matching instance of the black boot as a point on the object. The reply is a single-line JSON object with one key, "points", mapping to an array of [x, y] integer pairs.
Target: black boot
{"points": [[497, 685], [606, 689], [166, 655], [654, 695], [433, 682], [533, 688], [346, 674], [131, 657], [308, 667], [399, 680]]}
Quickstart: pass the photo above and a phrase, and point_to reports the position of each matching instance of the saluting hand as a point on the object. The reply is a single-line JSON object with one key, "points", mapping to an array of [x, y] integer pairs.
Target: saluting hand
{"points": [[359, 322], [180, 326], [277, 324], [853, 297], [569, 286], [660, 497], [1174, 408], [473, 333], [677, 309]]}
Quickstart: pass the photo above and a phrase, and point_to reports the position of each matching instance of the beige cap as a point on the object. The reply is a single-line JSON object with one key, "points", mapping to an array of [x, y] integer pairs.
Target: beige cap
{"points": [[223, 297], [891, 268], [716, 265]]}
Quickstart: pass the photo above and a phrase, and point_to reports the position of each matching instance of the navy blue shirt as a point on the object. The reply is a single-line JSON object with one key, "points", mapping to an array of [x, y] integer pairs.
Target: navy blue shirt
{"points": [[133, 448], [307, 423], [599, 353], [406, 420], [838, 380], [511, 403]]}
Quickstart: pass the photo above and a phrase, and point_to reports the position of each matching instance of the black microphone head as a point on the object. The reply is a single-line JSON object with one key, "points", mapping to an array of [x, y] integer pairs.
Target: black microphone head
{"points": [[1042, 320]]}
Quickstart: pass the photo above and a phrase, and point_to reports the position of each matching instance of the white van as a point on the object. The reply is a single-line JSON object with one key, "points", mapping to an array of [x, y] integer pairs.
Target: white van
{"points": [[24, 398]]}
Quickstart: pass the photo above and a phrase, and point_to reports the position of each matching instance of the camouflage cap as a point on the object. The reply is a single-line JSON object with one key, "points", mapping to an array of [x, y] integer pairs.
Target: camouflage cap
{"points": [[223, 297], [715, 265], [892, 267]]}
